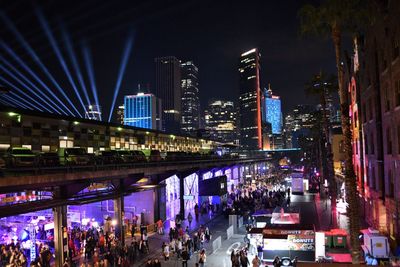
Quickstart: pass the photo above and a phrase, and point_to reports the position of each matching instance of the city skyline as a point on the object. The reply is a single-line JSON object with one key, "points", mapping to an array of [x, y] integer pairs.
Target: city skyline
{"points": [[139, 67]]}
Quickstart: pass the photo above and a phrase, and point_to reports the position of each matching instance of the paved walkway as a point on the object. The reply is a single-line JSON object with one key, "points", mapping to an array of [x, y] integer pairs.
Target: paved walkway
{"points": [[156, 240]]}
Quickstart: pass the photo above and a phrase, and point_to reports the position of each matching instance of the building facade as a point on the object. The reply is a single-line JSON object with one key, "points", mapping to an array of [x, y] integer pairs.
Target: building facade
{"points": [[120, 114], [168, 89], [44, 132], [93, 112], [190, 98], [251, 134], [142, 111], [297, 123], [220, 119], [379, 85], [273, 111]]}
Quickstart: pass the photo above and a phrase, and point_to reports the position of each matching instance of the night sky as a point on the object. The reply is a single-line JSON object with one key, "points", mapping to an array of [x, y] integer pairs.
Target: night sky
{"points": [[211, 33]]}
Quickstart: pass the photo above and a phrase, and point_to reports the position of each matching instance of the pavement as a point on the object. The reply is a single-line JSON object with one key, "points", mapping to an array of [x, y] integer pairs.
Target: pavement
{"points": [[314, 211]]}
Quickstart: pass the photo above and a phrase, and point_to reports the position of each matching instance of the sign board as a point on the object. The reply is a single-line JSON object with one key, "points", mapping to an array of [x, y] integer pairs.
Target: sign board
{"points": [[188, 197]]}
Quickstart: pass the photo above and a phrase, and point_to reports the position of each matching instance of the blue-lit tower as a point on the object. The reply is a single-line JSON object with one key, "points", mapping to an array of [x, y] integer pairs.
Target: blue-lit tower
{"points": [[142, 110], [273, 111]]}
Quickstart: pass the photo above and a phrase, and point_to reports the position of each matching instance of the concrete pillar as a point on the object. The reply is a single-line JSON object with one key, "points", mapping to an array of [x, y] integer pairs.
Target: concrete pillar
{"points": [[119, 217], [181, 193], [60, 234]]}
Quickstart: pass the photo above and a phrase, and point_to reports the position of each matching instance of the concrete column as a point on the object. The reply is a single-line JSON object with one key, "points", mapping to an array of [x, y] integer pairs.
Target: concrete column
{"points": [[119, 217], [181, 193], [60, 234]]}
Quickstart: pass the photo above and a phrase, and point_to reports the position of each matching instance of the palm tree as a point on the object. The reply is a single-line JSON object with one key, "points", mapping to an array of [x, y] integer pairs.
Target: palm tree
{"points": [[333, 18], [322, 85]]}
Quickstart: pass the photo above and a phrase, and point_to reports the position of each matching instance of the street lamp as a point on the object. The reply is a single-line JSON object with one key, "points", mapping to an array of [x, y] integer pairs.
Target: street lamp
{"points": [[13, 114]]}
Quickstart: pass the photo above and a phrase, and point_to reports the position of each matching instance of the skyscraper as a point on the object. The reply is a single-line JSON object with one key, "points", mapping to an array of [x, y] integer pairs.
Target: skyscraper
{"points": [[190, 98], [120, 113], [273, 111], [168, 89], [250, 100], [143, 111], [220, 119]]}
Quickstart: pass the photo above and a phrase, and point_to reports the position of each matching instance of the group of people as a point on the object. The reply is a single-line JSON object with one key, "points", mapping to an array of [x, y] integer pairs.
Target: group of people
{"points": [[13, 255], [183, 245], [239, 259]]}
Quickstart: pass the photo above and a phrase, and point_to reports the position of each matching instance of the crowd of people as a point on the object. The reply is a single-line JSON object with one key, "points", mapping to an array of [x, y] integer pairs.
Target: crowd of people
{"points": [[14, 255]]}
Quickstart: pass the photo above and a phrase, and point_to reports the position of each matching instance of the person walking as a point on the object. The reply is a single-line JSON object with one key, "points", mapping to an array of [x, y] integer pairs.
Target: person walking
{"points": [[190, 219], [185, 258], [256, 262], [202, 258], [166, 251], [160, 227], [196, 212]]}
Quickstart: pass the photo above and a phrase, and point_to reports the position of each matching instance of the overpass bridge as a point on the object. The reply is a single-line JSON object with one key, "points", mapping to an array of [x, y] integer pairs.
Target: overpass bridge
{"points": [[59, 187]]}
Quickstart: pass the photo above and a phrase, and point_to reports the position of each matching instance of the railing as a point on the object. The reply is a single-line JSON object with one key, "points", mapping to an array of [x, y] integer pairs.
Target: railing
{"points": [[55, 164]]}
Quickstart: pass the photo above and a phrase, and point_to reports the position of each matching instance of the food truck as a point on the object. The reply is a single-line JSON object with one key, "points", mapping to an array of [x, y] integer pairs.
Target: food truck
{"points": [[285, 240]]}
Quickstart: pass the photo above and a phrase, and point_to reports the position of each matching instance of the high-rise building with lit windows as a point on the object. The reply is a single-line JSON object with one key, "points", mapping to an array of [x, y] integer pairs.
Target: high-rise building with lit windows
{"points": [[120, 113], [220, 120], [143, 111], [273, 111], [168, 89], [190, 98], [250, 100]]}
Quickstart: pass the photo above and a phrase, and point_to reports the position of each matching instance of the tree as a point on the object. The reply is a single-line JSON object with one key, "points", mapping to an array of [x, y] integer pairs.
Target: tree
{"points": [[333, 18], [322, 85]]}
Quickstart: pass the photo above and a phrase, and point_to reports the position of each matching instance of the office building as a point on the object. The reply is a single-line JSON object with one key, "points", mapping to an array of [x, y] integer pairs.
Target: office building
{"points": [[298, 123], [273, 111], [93, 112], [168, 89], [220, 119], [250, 100], [120, 113], [190, 98], [143, 111]]}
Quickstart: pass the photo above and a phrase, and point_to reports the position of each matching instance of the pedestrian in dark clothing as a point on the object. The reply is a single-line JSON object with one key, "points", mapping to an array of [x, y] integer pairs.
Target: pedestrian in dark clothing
{"points": [[156, 263], [185, 258]]}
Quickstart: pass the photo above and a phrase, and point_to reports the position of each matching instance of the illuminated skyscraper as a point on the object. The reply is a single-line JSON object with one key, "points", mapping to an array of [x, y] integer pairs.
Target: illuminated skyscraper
{"points": [[273, 111], [220, 119], [190, 98], [250, 100], [168, 89], [143, 111]]}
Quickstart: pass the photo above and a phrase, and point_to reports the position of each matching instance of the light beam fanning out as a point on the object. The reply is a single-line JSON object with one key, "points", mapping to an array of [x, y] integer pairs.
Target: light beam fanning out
{"points": [[33, 54], [50, 102], [89, 68], [57, 51], [75, 64], [25, 86], [16, 102], [25, 95], [125, 57], [26, 68], [7, 103]]}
